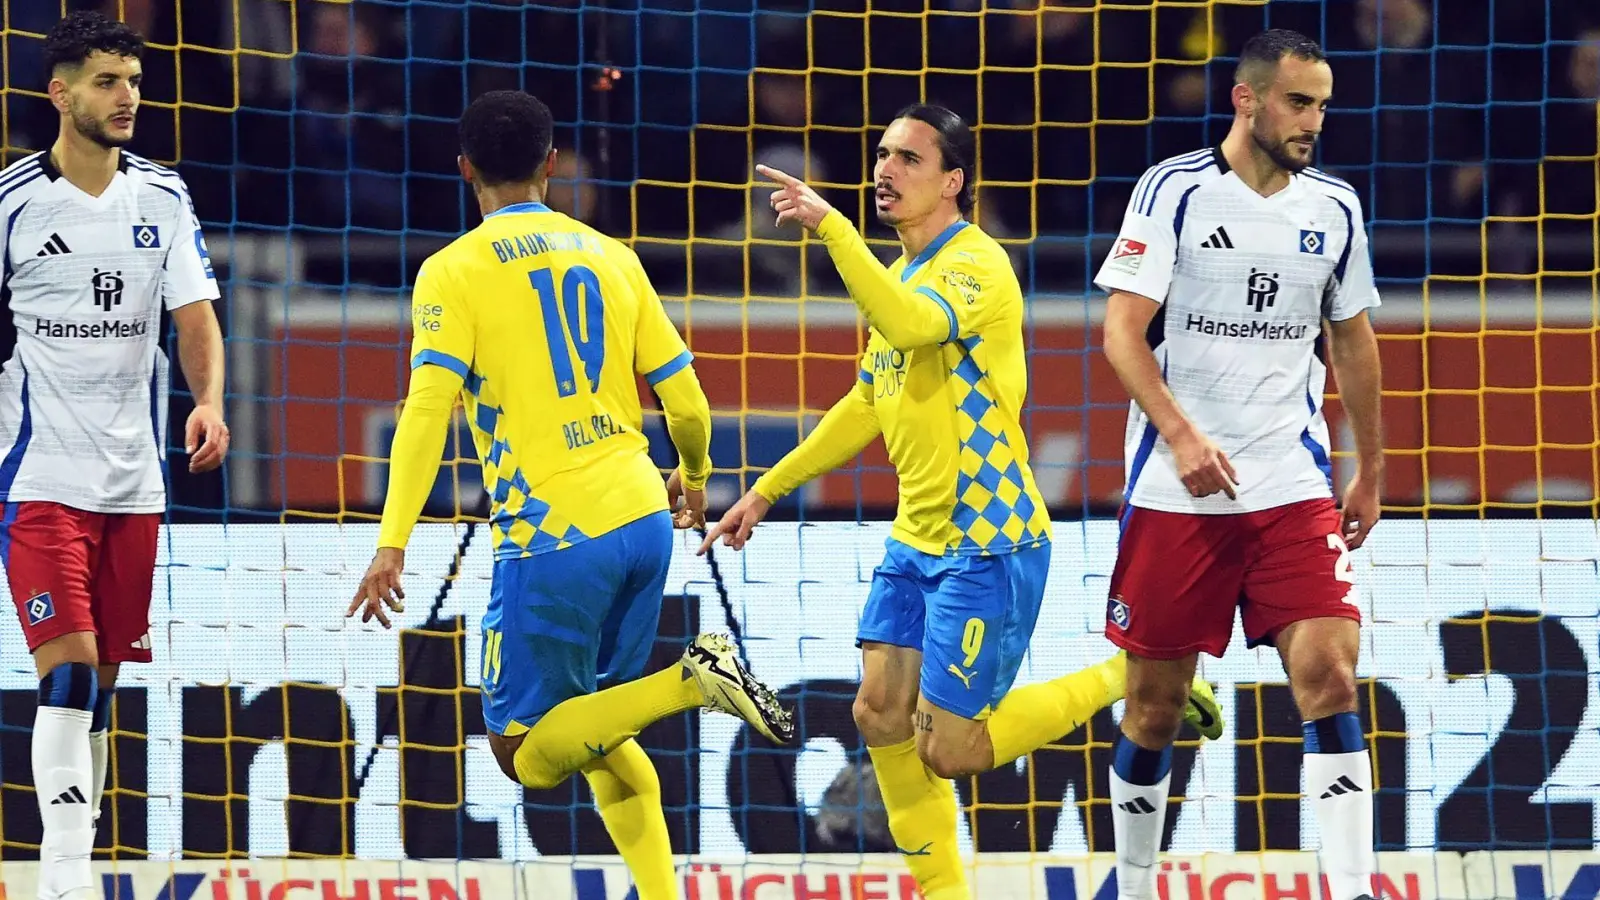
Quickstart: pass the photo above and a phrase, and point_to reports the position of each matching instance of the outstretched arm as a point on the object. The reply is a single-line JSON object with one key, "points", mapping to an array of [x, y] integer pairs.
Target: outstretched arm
{"points": [[844, 431], [906, 318]]}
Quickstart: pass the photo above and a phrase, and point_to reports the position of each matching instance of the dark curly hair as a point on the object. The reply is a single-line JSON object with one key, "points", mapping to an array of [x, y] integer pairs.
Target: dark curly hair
{"points": [[83, 33], [506, 135]]}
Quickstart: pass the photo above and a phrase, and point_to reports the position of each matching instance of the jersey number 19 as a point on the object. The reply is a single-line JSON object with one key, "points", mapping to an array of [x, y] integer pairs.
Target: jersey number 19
{"points": [[580, 287]]}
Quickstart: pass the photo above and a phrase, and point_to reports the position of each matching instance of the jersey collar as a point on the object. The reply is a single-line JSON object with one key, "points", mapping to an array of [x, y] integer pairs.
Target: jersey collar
{"points": [[1222, 161], [54, 174], [932, 250], [529, 207]]}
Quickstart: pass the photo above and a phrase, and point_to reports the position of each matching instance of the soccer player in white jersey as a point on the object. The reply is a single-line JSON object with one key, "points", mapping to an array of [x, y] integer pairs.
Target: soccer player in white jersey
{"points": [[1238, 271], [96, 243]]}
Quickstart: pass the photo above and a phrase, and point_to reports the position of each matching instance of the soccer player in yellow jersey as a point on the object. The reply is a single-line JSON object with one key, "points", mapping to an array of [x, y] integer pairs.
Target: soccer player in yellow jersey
{"points": [[542, 325], [954, 603]]}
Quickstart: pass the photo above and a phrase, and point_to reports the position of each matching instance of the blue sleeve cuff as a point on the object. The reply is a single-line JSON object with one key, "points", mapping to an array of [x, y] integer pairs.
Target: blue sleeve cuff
{"points": [[944, 304], [440, 359], [668, 369], [866, 376]]}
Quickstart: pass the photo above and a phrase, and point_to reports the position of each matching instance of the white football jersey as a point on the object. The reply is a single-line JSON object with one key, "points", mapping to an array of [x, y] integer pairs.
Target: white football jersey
{"points": [[1244, 282], [83, 396]]}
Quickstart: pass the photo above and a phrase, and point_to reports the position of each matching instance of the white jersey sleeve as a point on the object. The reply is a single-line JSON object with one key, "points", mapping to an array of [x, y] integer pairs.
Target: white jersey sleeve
{"points": [[1146, 251], [1352, 288], [187, 276]]}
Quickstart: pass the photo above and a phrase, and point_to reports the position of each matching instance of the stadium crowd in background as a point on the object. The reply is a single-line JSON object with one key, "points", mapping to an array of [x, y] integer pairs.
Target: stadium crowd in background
{"points": [[352, 130]]}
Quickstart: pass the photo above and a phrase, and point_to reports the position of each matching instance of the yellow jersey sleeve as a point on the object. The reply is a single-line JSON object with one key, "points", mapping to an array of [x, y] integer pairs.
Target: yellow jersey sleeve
{"points": [[955, 306], [441, 323], [845, 430], [659, 351], [441, 356]]}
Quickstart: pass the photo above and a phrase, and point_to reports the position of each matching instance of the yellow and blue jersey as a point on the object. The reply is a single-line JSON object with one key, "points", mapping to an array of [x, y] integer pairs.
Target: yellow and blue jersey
{"points": [[951, 412], [943, 378], [549, 323]]}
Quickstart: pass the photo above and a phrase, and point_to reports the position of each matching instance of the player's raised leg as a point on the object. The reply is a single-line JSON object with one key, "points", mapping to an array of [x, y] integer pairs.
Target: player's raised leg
{"points": [[920, 804], [560, 623], [49, 551], [1298, 595], [980, 623]]}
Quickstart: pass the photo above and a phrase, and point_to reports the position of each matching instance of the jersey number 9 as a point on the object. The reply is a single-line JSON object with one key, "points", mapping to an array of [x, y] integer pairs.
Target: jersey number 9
{"points": [[580, 293]]}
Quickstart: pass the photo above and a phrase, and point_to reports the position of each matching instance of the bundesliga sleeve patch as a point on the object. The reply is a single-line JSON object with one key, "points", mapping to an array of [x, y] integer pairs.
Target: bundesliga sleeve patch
{"points": [[1127, 255]]}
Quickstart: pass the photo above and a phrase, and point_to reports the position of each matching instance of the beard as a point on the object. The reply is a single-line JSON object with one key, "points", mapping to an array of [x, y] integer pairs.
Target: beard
{"points": [[1278, 151], [96, 130]]}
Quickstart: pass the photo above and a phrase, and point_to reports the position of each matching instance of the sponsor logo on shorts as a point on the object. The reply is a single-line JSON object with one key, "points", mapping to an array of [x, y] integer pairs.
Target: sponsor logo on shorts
{"points": [[143, 643], [966, 677], [40, 607], [1117, 612]]}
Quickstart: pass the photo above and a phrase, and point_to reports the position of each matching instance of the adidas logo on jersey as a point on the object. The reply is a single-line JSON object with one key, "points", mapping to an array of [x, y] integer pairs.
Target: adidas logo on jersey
{"points": [[1219, 240], [54, 247]]}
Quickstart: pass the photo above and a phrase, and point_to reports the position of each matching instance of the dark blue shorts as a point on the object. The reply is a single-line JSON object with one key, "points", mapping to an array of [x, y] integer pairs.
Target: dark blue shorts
{"points": [[971, 616], [561, 622]]}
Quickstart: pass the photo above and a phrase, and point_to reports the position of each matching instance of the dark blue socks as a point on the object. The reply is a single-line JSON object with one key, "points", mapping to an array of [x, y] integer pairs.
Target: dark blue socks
{"points": [[71, 686], [1136, 765], [101, 720], [1338, 733]]}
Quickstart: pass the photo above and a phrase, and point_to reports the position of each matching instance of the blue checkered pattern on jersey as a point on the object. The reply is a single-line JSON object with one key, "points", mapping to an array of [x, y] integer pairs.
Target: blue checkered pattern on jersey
{"points": [[520, 524], [994, 511]]}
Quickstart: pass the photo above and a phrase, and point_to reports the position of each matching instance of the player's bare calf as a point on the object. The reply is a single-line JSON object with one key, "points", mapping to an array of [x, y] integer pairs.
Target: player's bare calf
{"points": [[1319, 656]]}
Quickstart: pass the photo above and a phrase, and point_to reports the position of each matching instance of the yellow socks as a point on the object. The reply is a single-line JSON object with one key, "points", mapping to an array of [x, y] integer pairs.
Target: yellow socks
{"points": [[1032, 716], [583, 729], [628, 795], [922, 820]]}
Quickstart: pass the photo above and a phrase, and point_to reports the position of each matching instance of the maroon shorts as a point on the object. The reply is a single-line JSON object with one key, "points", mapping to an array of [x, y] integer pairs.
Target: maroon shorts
{"points": [[1179, 577], [71, 571]]}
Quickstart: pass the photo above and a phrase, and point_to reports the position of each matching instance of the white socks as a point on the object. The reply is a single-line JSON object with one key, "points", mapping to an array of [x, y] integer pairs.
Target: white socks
{"points": [[63, 775], [99, 755], [1140, 779], [1340, 788]]}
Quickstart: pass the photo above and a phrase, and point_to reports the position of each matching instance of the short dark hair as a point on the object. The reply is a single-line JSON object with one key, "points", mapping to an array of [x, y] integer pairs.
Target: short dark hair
{"points": [[957, 146], [74, 38], [506, 135], [1262, 53]]}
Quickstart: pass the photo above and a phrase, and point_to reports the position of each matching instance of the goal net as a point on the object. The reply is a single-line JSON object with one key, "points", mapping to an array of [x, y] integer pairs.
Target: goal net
{"points": [[276, 749]]}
